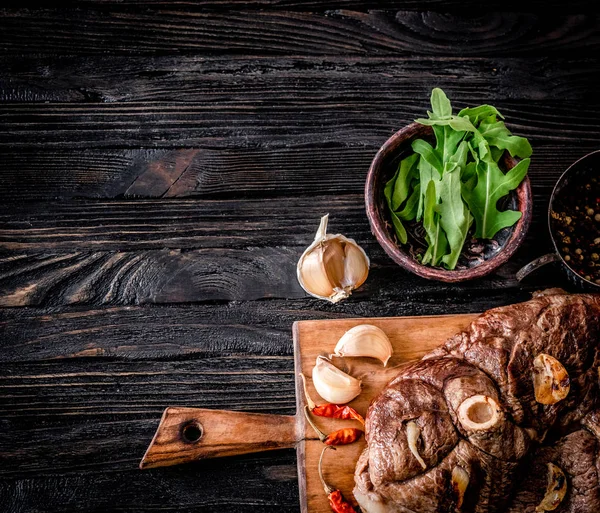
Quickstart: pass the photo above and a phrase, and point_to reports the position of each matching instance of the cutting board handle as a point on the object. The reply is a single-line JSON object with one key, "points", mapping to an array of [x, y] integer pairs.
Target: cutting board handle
{"points": [[189, 434]]}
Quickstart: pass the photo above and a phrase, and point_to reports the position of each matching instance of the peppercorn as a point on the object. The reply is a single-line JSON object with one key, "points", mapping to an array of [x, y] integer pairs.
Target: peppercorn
{"points": [[575, 221]]}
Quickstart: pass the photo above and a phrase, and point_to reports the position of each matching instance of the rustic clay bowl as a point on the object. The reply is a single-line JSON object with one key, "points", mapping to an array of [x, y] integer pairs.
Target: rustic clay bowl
{"points": [[490, 255]]}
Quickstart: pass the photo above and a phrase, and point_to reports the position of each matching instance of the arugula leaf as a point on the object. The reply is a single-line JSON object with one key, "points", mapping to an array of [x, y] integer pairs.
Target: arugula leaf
{"points": [[476, 114], [435, 236], [456, 122], [428, 154], [493, 184], [426, 173], [457, 182], [447, 141], [496, 134], [398, 226], [469, 175], [409, 212], [405, 174], [455, 218], [440, 104]]}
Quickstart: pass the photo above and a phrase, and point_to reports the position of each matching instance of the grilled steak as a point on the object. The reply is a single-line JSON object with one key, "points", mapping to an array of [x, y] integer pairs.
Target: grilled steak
{"points": [[477, 414]]}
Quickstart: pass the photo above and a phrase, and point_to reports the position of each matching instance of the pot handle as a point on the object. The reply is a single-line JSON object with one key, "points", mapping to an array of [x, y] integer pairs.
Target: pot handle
{"points": [[536, 264]]}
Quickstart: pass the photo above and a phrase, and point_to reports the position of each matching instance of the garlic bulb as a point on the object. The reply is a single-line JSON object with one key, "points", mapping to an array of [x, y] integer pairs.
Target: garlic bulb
{"points": [[365, 340], [332, 384], [332, 266]]}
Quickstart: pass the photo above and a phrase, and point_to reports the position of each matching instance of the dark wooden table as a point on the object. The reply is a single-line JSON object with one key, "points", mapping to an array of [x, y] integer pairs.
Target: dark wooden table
{"points": [[164, 164]]}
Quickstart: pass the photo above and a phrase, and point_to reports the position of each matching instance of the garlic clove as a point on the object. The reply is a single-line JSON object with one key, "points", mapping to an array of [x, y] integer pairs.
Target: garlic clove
{"points": [[460, 482], [556, 489], [332, 384], [356, 266], [365, 340], [550, 379], [332, 266], [314, 279], [413, 433]]}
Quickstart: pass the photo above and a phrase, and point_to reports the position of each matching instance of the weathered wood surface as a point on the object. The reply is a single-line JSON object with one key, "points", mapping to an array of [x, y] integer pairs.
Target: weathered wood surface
{"points": [[337, 32], [163, 166]]}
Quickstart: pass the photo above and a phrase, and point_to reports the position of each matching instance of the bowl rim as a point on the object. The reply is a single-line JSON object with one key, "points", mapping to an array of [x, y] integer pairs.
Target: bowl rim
{"points": [[402, 258]]}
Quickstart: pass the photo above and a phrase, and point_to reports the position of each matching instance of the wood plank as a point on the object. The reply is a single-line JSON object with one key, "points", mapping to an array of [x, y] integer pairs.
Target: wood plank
{"points": [[85, 225], [112, 252], [48, 174], [576, 6], [411, 339], [355, 123], [339, 79], [156, 277], [342, 31], [253, 483]]}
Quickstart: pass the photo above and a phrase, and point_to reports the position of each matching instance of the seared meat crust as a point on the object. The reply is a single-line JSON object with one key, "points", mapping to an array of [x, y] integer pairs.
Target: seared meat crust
{"points": [[473, 400]]}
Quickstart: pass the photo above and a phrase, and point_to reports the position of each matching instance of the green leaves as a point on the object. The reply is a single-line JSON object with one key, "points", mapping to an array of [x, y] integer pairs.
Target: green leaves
{"points": [[440, 104], [436, 238], [406, 171], [458, 181], [493, 184], [454, 214]]}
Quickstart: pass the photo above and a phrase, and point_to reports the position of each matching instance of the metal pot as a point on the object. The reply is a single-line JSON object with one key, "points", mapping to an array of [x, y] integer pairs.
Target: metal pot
{"points": [[589, 165]]}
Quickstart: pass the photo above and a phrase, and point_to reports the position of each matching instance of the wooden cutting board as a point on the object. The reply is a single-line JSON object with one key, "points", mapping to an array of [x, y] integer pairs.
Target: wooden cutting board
{"points": [[188, 434]]}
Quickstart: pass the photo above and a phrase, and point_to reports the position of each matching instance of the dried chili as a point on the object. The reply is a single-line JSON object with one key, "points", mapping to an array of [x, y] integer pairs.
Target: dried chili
{"points": [[343, 436], [339, 437], [337, 502], [337, 411], [329, 410]]}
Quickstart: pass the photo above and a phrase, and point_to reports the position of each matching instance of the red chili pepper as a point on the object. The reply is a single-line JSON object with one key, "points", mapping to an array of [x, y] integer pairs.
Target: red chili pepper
{"points": [[343, 436], [337, 411], [329, 410], [337, 502], [340, 437]]}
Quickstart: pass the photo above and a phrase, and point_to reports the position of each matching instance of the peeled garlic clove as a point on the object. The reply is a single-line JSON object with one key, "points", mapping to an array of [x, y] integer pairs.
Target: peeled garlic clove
{"points": [[550, 379], [332, 384], [332, 266], [556, 489], [460, 482], [365, 340], [413, 432]]}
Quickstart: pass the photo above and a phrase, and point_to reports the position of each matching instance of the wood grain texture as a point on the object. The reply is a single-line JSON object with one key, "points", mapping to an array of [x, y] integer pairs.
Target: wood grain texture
{"points": [[337, 32], [362, 122], [110, 252], [218, 173], [576, 6], [185, 435], [255, 79], [256, 483]]}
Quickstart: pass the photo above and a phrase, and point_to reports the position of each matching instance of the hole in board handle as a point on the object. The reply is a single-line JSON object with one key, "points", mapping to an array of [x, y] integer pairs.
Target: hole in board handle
{"points": [[191, 432]]}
